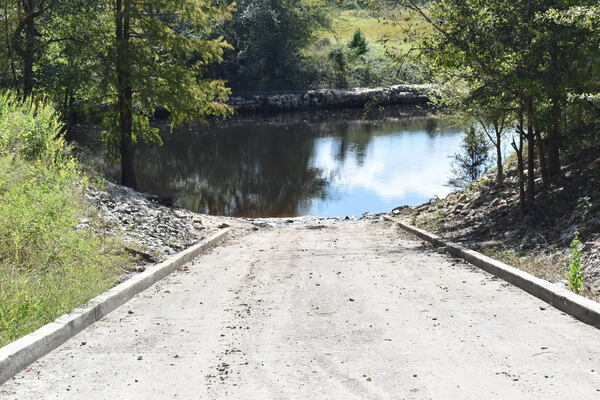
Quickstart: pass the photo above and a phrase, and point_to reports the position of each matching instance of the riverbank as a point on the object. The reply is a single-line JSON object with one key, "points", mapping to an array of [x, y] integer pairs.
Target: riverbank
{"points": [[153, 227], [486, 218], [323, 99]]}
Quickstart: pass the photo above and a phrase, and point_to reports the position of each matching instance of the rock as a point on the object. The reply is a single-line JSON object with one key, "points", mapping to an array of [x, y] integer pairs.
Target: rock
{"points": [[495, 203], [335, 98], [422, 207], [460, 207], [140, 218], [477, 202], [398, 210], [223, 226]]}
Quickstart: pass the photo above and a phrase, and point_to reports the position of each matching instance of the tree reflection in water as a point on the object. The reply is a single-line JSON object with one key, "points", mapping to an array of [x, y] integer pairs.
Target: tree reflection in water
{"points": [[254, 166]]}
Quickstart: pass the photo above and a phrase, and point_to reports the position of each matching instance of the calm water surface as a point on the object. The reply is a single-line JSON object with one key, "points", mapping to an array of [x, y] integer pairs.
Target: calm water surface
{"points": [[333, 164]]}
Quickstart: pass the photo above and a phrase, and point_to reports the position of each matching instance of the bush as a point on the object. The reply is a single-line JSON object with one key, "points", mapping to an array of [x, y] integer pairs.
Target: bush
{"points": [[359, 44], [49, 263], [32, 130], [576, 266]]}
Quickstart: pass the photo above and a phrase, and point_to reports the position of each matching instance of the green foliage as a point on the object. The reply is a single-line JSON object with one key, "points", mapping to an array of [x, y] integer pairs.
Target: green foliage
{"points": [[268, 38], [359, 46], [31, 130], [585, 206], [472, 161], [339, 59], [117, 61], [576, 266], [169, 79], [49, 264], [529, 64], [382, 62]]}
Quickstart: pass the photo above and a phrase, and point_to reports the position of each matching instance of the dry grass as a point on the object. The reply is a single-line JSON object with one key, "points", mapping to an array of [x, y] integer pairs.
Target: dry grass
{"points": [[552, 268]]}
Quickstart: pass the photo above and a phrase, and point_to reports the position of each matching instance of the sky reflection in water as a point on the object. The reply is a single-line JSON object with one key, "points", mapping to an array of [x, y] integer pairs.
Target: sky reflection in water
{"points": [[402, 168], [332, 165]]}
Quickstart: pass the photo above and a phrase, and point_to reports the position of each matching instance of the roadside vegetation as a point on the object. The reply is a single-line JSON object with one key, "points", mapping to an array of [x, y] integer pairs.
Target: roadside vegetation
{"points": [[559, 243], [521, 75], [51, 258]]}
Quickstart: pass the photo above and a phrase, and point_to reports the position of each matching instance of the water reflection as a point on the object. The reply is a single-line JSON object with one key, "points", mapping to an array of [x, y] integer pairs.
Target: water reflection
{"points": [[335, 164]]}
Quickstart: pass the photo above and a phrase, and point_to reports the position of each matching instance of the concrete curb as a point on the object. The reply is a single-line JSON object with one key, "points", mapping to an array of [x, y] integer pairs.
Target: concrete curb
{"points": [[21, 353], [585, 310]]}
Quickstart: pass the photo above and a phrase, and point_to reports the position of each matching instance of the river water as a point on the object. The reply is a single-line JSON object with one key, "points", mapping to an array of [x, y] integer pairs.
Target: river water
{"points": [[321, 164]]}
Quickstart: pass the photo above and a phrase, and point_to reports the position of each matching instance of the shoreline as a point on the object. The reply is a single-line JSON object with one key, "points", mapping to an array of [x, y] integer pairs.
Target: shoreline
{"points": [[328, 99]]}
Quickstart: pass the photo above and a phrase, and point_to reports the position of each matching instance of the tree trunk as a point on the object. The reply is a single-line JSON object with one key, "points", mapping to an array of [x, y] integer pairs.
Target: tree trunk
{"points": [[553, 145], [521, 168], [29, 49], [520, 161], [530, 158], [8, 44], [499, 166], [125, 103]]}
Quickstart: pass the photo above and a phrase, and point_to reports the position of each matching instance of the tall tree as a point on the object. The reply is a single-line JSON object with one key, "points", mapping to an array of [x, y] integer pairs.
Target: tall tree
{"points": [[154, 58], [21, 19]]}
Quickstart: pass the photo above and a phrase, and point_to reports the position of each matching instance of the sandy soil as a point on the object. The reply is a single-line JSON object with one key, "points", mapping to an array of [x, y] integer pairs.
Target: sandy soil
{"points": [[346, 310]]}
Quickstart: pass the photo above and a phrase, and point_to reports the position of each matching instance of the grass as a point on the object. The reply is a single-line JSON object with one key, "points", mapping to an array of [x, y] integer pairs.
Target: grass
{"points": [[389, 34], [50, 262], [392, 26], [431, 222], [551, 268]]}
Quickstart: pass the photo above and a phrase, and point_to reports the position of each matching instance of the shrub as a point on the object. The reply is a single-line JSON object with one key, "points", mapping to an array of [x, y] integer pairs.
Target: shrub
{"points": [[32, 130], [359, 44], [49, 264], [576, 267]]}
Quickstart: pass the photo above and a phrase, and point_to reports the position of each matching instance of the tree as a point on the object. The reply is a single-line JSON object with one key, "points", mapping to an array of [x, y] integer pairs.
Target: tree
{"points": [[484, 106], [518, 51], [68, 57], [359, 46], [152, 55], [494, 123], [268, 37], [339, 59], [470, 164], [23, 23]]}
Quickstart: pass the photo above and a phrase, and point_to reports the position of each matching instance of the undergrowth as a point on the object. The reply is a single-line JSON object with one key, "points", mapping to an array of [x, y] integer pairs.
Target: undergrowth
{"points": [[50, 263]]}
